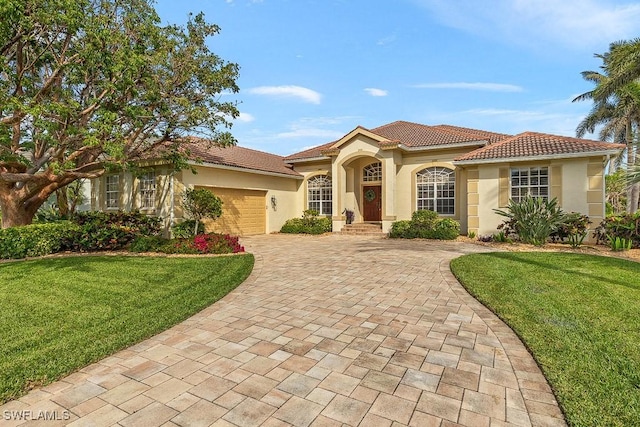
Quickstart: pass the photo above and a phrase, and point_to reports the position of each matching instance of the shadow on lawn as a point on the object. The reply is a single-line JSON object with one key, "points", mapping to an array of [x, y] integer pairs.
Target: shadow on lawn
{"points": [[576, 263]]}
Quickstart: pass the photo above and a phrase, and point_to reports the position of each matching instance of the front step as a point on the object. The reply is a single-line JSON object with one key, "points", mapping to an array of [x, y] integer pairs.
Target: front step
{"points": [[363, 229]]}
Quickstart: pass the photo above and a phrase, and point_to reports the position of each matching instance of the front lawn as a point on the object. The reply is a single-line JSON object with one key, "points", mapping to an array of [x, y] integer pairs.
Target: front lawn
{"points": [[580, 317], [60, 314]]}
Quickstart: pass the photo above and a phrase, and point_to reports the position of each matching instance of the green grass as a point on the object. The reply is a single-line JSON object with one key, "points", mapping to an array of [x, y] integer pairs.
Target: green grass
{"points": [[60, 314], [580, 317]]}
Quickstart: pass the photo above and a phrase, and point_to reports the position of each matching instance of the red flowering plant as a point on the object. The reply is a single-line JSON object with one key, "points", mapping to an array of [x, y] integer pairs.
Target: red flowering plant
{"points": [[213, 243]]}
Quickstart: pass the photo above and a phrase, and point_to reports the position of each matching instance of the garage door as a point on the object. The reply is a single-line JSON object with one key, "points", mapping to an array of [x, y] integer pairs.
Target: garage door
{"points": [[243, 212]]}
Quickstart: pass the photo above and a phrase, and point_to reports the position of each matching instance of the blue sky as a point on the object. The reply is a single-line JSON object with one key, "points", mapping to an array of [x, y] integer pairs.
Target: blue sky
{"points": [[312, 70]]}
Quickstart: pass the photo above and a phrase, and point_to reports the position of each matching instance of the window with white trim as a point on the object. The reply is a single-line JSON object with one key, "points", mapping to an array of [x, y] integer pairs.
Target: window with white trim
{"points": [[529, 181], [147, 190], [372, 172], [436, 190], [319, 194], [112, 191]]}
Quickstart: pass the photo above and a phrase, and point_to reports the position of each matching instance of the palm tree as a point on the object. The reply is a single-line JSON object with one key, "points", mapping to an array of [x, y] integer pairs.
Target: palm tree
{"points": [[617, 112]]}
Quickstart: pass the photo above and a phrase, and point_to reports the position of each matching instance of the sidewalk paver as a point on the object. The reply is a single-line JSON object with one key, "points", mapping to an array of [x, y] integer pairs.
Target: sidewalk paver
{"points": [[328, 330]]}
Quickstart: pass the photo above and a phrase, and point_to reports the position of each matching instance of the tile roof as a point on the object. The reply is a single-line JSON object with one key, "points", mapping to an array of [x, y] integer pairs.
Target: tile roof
{"points": [[239, 157], [490, 136], [534, 144], [310, 153], [416, 135]]}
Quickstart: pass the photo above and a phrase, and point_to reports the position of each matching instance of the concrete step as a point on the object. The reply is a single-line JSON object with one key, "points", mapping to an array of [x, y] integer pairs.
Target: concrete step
{"points": [[363, 229]]}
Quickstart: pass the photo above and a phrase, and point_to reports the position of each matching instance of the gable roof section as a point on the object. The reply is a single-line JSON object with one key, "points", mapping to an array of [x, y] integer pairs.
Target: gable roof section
{"points": [[414, 135], [311, 153], [492, 137], [410, 136], [238, 157], [536, 146]]}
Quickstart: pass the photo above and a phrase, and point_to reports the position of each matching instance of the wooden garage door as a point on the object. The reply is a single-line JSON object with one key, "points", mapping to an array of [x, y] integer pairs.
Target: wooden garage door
{"points": [[243, 212]]}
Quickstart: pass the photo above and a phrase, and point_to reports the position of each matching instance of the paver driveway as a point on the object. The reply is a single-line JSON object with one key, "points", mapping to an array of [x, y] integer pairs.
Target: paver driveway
{"points": [[330, 330]]}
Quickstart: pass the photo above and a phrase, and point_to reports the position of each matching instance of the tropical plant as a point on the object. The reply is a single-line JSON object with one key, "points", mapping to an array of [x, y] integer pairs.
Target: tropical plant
{"points": [[93, 84], [617, 243], [616, 191], [616, 104], [200, 203], [533, 218]]}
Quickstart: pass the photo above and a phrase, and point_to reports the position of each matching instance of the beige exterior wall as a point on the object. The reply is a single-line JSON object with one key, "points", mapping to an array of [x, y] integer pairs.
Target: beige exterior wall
{"points": [[578, 184], [285, 191]]}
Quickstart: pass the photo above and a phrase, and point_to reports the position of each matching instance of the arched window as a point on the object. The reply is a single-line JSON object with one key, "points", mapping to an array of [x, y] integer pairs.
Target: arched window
{"points": [[319, 194], [436, 190], [372, 172]]}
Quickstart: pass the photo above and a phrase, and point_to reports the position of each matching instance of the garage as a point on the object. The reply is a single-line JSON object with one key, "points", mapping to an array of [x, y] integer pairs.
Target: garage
{"points": [[243, 211]]}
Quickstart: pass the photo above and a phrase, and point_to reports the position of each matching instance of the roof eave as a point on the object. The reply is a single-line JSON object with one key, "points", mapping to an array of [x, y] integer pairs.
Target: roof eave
{"points": [[242, 169], [307, 159], [538, 158]]}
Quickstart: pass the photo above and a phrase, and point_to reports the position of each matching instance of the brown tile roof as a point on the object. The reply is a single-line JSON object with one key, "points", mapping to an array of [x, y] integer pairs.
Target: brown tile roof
{"points": [[490, 136], [310, 153], [239, 157], [416, 135], [411, 134], [533, 144]]}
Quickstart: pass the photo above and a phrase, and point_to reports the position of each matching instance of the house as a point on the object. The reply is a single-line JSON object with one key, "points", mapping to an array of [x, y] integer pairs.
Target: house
{"points": [[382, 174]]}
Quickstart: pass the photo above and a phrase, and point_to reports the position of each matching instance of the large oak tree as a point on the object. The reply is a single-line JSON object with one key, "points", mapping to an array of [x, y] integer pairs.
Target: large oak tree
{"points": [[88, 85]]}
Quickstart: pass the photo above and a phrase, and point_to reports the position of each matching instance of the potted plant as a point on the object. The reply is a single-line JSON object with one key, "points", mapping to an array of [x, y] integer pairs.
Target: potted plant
{"points": [[350, 215]]}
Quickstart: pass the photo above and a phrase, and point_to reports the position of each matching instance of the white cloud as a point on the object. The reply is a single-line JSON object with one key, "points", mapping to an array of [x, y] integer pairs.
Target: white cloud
{"points": [[376, 92], [556, 117], [245, 118], [492, 87], [578, 24], [289, 91], [387, 40]]}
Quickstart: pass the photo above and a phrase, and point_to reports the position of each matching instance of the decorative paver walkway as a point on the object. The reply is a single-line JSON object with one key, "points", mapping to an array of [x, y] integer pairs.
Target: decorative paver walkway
{"points": [[327, 331]]}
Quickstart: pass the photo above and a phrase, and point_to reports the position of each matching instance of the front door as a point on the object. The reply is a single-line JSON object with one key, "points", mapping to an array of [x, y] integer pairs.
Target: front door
{"points": [[371, 196]]}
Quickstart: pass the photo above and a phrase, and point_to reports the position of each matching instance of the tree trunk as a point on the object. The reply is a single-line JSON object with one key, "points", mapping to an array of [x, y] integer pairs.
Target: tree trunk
{"points": [[14, 212], [632, 189], [63, 202]]}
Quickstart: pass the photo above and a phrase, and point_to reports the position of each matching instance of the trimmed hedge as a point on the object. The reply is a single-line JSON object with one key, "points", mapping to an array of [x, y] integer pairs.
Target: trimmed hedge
{"points": [[36, 239], [425, 224], [310, 223]]}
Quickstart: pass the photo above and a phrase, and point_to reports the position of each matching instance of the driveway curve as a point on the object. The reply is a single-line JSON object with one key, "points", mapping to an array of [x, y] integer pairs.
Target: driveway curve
{"points": [[327, 331]]}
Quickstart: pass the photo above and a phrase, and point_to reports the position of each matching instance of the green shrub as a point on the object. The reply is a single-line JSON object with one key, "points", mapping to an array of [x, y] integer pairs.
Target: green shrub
{"points": [[99, 231], [200, 203], [148, 244], [185, 229], [533, 219], [625, 226], [400, 229], [471, 234], [445, 229], [310, 223], [35, 240], [425, 224]]}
